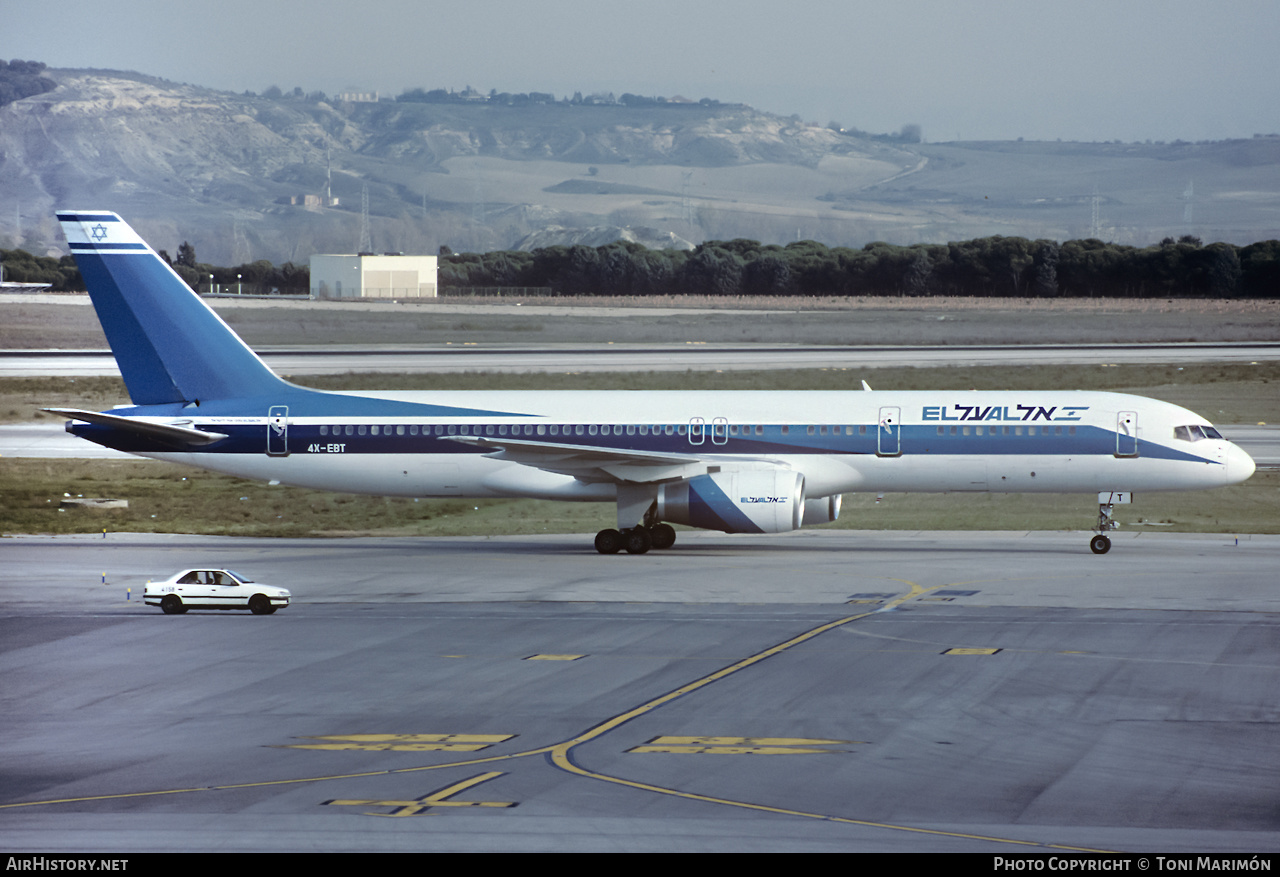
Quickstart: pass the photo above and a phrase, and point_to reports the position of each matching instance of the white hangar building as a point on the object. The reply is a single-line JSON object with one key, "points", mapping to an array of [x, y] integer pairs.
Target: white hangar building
{"points": [[369, 276]]}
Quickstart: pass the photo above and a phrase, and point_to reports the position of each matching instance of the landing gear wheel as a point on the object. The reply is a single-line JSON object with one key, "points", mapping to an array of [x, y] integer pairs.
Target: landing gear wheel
{"points": [[608, 542], [637, 540], [1099, 544], [172, 605], [663, 535]]}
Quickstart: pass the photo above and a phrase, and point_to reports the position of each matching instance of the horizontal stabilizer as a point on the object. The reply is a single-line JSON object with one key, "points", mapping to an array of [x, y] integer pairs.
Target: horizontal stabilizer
{"points": [[167, 432]]}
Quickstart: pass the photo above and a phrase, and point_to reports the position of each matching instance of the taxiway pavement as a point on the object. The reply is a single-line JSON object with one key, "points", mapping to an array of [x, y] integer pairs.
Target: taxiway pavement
{"points": [[821, 690]]}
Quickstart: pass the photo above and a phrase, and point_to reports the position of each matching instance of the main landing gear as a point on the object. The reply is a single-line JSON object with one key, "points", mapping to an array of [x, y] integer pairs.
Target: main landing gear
{"points": [[636, 540]]}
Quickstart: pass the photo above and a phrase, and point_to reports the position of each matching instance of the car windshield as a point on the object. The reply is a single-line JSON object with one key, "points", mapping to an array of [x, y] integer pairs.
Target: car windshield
{"points": [[244, 579]]}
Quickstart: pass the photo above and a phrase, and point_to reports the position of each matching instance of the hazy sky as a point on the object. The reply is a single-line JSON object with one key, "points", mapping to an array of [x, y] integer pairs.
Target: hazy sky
{"points": [[1071, 69]]}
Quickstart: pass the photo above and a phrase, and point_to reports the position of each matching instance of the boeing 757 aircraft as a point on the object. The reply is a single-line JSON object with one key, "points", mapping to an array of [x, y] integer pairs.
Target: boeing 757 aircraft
{"points": [[741, 462]]}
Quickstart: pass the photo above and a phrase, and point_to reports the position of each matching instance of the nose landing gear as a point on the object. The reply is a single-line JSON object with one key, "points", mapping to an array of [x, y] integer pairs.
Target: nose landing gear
{"points": [[1107, 501]]}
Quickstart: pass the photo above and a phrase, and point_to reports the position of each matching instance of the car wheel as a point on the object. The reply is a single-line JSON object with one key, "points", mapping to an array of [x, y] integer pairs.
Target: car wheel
{"points": [[260, 605], [172, 605]]}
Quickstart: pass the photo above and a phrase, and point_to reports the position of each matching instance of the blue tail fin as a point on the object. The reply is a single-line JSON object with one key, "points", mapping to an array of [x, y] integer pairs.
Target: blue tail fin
{"points": [[170, 345]]}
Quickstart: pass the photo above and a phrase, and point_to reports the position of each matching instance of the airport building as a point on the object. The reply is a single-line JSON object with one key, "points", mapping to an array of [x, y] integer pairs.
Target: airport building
{"points": [[370, 276]]}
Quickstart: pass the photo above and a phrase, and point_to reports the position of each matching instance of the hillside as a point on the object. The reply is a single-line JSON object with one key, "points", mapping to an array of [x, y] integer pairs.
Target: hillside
{"points": [[220, 170]]}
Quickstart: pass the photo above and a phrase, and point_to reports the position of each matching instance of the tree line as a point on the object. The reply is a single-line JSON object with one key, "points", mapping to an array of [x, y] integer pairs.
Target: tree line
{"points": [[19, 79], [984, 267], [261, 277], [19, 266]]}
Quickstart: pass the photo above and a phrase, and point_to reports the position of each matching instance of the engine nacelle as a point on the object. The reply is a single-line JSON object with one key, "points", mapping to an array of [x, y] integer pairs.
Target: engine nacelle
{"points": [[822, 510], [749, 501]]}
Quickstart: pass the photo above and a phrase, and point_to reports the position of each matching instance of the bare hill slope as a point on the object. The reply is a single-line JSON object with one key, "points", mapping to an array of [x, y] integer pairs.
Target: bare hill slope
{"points": [[245, 177]]}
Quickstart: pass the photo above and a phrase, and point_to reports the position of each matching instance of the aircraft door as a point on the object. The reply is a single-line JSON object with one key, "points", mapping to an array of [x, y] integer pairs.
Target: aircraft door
{"points": [[889, 433], [719, 430], [278, 430], [1127, 434], [696, 428]]}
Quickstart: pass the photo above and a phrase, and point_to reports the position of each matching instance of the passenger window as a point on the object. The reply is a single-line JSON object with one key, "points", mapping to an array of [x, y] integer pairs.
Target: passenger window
{"points": [[324, 430]]}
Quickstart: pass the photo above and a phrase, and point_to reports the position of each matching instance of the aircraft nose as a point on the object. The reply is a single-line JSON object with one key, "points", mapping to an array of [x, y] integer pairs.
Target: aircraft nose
{"points": [[1239, 464]]}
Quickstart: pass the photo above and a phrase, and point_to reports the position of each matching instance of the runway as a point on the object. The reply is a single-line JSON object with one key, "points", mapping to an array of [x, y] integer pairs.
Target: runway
{"points": [[821, 690], [676, 357]]}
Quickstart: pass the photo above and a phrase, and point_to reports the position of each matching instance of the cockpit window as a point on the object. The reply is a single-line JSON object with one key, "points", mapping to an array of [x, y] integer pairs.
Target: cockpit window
{"points": [[1195, 432]]}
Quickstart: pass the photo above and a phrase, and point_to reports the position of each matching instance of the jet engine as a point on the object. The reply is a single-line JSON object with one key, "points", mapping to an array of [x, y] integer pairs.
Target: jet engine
{"points": [[822, 510], [750, 501]]}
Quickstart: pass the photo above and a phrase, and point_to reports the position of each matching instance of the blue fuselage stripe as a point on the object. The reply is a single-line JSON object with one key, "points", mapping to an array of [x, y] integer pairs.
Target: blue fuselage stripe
{"points": [[916, 440]]}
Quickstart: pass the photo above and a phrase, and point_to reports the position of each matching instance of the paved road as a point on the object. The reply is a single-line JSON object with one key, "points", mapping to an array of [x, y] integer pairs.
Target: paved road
{"points": [[330, 360], [849, 691]]}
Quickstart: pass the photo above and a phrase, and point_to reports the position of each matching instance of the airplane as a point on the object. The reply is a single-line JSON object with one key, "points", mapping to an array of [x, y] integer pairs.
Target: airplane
{"points": [[738, 462]]}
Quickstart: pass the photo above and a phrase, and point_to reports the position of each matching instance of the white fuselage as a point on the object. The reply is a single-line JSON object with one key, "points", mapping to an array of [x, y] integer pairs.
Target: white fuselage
{"points": [[934, 441]]}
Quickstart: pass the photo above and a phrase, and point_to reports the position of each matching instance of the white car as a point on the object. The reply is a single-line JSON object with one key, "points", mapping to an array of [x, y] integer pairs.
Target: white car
{"points": [[213, 589]]}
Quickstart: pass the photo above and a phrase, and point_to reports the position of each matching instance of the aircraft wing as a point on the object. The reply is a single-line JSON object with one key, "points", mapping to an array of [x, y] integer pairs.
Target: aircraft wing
{"points": [[595, 463], [168, 432]]}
